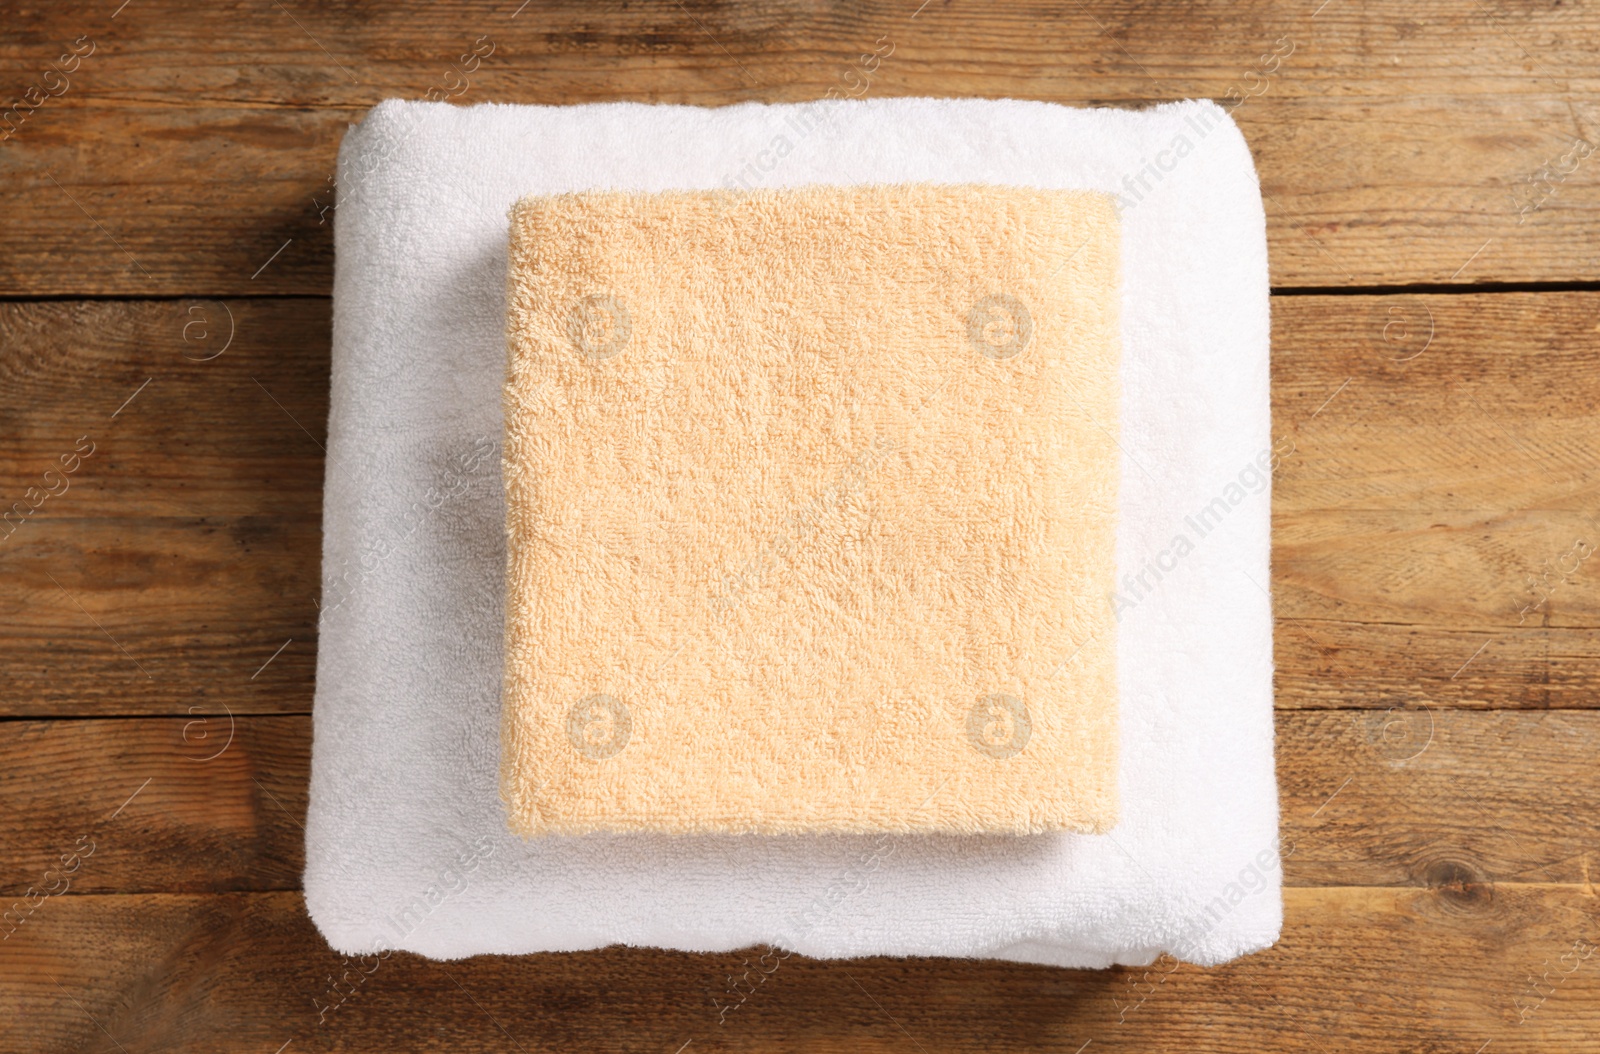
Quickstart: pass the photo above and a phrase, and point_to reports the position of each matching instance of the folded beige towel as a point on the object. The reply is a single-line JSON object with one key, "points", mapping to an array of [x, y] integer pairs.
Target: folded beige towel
{"points": [[811, 507]]}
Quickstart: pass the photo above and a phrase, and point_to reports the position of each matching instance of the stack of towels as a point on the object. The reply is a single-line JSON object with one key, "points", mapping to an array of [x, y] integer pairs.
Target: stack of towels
{"points": [[837, 526]]}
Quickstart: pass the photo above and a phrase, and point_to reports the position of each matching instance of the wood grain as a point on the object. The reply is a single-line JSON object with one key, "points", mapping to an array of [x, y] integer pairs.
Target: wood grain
{"points": [[1429, 145], [1443, 969], [1443, 455], [201, 803], [1446, 462], [1416, 796], [169, 568], [107, 616], [192, 407]]}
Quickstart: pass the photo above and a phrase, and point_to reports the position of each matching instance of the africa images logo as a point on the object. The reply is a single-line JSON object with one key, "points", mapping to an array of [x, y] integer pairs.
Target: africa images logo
{"points": [[998, 725], [599, 327], [999, 326], [599, 726]]}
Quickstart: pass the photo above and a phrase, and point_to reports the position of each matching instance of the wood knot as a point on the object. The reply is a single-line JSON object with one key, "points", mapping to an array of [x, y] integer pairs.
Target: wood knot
{"points": [[1459, 884]]}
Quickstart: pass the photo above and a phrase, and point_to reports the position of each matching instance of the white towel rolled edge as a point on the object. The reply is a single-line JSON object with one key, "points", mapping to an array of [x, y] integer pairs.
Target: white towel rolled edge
{"points": [[406, 844]]}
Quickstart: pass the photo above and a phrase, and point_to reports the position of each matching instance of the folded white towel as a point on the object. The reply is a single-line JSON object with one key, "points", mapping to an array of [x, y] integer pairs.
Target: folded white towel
{"points": [[407, 845]]}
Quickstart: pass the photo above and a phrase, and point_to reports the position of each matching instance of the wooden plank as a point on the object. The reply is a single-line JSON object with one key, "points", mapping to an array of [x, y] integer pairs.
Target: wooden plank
{"points": [[185, 408], [1442, 454], [1408, 797], [202, 802], [1432, 796], [153, 615], [1438, 144], [1443, 969], [1432, 525], [163, 479]]}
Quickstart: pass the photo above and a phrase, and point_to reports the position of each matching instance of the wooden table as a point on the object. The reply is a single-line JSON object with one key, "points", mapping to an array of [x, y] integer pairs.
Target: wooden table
{"points": [[1435, 234]]}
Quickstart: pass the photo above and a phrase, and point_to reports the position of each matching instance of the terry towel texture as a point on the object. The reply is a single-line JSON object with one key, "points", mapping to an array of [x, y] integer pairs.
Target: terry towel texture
{"points": [[407, 843], [809, 493]]}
